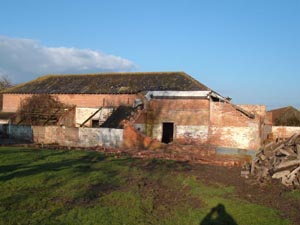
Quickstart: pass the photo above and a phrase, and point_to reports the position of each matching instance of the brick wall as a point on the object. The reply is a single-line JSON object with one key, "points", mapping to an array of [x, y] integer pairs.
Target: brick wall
{"points": [[190, 118], [68, 118], [256, 109], [133, 139], [1, 102], [94, 100], [230, 128], [283, 132], [235, 137], [80, 137], [223, 114], [11, 102], [100, 137], [199, 121], [55, 135], [82, 114], [196, 121], [181, 111]]}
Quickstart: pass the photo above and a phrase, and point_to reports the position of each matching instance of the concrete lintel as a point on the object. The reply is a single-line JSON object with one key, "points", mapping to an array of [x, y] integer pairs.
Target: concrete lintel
{"points": [[177, 94]]}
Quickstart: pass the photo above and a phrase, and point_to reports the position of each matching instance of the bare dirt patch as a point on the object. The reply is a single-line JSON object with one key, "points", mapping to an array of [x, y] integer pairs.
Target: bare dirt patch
{"points": [[272, 193]]}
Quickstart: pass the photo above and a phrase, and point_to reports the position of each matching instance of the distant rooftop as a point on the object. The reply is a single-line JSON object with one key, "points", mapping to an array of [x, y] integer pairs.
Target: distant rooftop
{"points": [[109, 83], [286, 116]]}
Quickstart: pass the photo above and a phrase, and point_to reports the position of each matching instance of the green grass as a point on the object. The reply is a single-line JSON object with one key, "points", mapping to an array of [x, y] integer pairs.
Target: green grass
{"points": [[294, 194], [76, 187]]}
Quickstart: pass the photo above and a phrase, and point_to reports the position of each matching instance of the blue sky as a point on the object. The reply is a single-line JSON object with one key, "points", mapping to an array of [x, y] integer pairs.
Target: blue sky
{"points": [[248, 50]]}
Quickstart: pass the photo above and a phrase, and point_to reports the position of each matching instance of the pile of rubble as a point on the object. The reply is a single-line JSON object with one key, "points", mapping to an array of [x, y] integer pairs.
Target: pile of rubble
{"points": [[280, 160]]}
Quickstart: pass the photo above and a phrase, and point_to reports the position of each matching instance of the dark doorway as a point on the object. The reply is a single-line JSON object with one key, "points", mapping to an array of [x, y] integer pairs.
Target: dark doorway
{"points": [[168, 132]]}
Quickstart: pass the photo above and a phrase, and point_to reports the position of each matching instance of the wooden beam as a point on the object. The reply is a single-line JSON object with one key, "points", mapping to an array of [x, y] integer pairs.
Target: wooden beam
{"points": [[50, 115], [90, 117], [250, 115]]}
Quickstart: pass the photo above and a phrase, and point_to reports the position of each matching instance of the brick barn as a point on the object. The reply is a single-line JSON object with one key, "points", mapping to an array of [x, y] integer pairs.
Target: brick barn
{"points": [[167, 106], [286, 116]]}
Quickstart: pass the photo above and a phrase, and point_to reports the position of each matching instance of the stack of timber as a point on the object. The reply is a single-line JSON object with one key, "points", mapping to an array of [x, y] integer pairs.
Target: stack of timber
{"points": [[280, 160]]}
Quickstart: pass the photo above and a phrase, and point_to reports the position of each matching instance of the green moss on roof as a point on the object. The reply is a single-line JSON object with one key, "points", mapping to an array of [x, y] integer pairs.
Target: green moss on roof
{"points": [[109, 83]]}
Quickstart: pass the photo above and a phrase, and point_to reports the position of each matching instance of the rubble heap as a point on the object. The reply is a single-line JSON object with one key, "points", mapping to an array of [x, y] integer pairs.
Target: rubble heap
{"points": [[279, 160]]}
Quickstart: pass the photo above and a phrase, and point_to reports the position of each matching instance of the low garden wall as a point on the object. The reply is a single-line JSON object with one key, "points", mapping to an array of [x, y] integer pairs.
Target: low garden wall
{"points": [[20, 132], [283, 132], [68, 136]]}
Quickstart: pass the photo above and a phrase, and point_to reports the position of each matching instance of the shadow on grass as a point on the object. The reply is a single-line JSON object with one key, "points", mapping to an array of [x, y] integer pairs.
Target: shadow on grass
{"points": [[81, 169], [38, 154], [36, 169], [22, 170], [4, 151], [218, 216], [11, 167]]}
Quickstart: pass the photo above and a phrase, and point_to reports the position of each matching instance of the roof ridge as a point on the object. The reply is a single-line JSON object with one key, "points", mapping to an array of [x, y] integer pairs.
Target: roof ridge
{"points": [[112, 73], [283, 108]]}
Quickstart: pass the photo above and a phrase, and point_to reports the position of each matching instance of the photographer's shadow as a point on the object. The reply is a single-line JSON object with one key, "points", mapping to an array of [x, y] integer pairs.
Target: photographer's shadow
{"points": [[218, 216]]}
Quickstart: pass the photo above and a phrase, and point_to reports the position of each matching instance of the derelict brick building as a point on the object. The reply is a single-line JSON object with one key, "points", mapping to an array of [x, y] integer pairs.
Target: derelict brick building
{"points": [[172, 106]]}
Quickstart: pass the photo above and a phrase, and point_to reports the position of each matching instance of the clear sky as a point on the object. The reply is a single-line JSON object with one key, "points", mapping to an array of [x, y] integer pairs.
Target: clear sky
{"points": [[248, 50]]}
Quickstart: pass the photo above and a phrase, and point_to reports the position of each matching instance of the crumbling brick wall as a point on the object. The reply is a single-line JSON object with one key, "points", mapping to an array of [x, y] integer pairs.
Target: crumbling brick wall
{"points": [[133, 139], [201, 121], [190, 118], [77, 137], [231, 128], [284, 132]]}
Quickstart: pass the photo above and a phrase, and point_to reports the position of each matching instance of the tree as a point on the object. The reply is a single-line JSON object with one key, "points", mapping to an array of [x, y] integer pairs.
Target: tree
{"points": [[291, 121], [5, 83], [42, 109]]}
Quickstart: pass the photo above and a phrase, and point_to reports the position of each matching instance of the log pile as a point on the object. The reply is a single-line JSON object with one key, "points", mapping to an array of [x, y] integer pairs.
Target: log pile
{"points": [[279, 160]]}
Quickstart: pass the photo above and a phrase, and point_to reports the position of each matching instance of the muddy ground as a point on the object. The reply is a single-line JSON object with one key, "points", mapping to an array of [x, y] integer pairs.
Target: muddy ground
{"points": [[271, 193]]}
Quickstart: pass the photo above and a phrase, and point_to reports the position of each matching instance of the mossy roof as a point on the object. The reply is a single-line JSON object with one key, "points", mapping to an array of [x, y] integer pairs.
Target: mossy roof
{"points": [[109, 83]]}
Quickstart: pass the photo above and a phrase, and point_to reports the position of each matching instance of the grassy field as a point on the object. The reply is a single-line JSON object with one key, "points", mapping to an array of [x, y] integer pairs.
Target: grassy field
{"points": [[77, 187]]}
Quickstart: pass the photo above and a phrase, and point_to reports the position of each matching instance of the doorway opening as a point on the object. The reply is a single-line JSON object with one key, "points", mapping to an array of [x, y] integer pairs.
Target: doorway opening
{"points": [[168, 132], [95, 123]]}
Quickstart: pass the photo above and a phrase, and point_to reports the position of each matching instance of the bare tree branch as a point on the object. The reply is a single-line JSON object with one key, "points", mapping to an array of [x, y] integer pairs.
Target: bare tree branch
{"points": [[5, 83]]}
